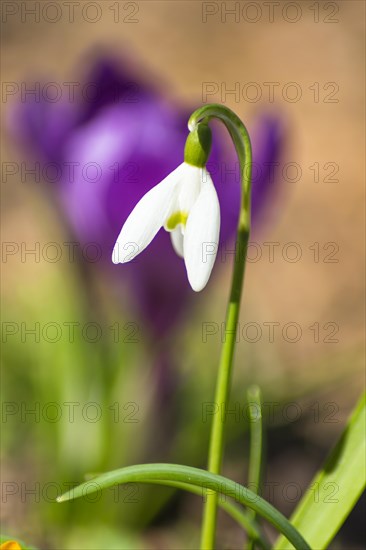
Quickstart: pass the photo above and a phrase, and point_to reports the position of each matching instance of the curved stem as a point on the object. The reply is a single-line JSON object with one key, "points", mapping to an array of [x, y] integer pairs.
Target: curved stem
{"points": [[240, 137], [205, 481]]}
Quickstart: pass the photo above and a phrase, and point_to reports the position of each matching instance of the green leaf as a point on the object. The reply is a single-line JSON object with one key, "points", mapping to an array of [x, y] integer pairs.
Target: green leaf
{"points": [[335, 489], [206, 481]]}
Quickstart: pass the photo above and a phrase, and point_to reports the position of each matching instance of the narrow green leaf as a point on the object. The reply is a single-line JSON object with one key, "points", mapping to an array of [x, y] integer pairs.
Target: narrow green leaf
{"points": [[206, 481], [335, 489]]}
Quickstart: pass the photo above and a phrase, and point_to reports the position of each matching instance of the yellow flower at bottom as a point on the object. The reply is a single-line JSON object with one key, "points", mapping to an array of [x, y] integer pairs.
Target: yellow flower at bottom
{"points": [[10, 545]]}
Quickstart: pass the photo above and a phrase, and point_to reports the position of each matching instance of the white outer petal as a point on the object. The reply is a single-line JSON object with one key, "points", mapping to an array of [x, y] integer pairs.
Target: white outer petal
{"points": [[201, 237], [188, 189], [177, 239], [146, 219]]}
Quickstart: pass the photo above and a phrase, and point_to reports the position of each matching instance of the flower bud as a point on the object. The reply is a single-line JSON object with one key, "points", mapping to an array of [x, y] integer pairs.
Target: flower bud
{"points": [[198, 146]]}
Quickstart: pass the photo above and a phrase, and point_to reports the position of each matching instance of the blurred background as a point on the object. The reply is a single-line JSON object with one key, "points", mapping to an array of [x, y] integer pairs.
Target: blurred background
{"points": [[105, 366]]}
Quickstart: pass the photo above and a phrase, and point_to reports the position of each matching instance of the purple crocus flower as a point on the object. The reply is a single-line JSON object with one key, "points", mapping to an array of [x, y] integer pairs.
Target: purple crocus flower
{"points": [[111, 150]]}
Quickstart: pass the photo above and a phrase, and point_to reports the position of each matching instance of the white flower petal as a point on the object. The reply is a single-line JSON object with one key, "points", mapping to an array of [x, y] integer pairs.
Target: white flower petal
{"points": [[201, 237], [177, 239], [188, 189], [146, 219]]}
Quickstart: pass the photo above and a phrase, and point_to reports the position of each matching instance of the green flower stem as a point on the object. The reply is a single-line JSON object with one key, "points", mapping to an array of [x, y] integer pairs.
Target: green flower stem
{"points": [[255, 449], [187, 475], [241, 140]]}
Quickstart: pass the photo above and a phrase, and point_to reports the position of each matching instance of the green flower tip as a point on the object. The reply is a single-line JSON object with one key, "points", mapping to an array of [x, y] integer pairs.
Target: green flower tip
{"points": [[198, 146]]}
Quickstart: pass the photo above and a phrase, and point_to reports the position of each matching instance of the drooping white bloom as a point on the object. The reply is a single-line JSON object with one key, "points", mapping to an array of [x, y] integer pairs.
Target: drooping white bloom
{"points": [[185, 203]]}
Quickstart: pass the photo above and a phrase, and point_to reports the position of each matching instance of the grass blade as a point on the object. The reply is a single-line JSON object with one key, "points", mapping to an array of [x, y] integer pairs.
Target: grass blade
{"points": [[202, 479], [335, 489]]}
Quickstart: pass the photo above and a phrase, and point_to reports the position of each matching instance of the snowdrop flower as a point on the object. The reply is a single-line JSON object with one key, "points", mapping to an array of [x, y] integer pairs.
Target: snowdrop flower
{"points": [[185, 203]]}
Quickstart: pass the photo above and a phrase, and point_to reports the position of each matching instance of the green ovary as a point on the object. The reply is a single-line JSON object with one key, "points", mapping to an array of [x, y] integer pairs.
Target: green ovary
{"points": [[175, 219]]}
